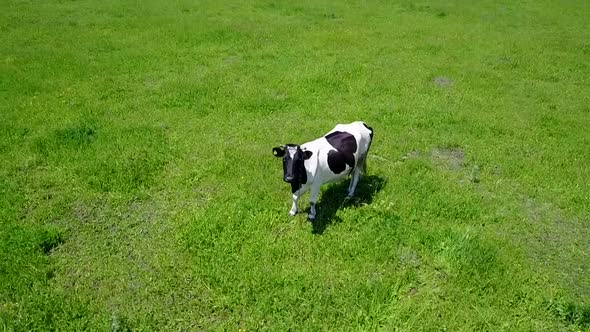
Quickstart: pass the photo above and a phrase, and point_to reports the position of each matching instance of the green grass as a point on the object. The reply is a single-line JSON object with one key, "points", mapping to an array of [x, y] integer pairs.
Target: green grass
{"points": [[138, 190]]}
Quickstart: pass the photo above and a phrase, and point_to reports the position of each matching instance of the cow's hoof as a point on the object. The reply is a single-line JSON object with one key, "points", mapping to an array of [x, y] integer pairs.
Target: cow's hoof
{"points": [[292, 213], [311, 218]]}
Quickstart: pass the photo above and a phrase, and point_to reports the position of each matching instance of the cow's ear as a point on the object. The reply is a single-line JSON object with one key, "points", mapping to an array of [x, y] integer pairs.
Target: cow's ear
{"points": [[279, 151], [307, 154]]}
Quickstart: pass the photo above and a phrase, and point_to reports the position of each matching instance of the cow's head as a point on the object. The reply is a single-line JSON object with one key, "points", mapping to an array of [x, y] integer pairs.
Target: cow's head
{"points": [[293, 162]]}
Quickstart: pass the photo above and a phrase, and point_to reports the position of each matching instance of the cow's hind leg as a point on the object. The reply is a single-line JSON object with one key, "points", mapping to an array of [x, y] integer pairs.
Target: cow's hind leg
{"points": [[356, 176]]}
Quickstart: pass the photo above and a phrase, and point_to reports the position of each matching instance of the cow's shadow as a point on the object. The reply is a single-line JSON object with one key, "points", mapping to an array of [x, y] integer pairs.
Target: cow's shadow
{"points": [[334, 198]]}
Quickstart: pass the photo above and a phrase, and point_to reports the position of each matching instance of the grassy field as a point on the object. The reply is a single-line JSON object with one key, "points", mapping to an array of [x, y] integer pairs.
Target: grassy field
{"points": [[138, 190]]}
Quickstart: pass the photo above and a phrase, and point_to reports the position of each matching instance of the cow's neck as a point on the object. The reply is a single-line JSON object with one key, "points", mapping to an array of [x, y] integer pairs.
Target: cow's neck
{"points": [[302, 179], [295, 186]]}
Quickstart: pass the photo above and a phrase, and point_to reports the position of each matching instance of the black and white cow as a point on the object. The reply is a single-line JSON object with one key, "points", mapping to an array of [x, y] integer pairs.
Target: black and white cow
{"points": [[340, 152]]}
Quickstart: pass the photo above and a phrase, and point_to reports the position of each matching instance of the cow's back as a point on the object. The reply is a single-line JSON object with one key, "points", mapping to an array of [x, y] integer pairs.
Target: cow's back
{"points": [[338, 152], [362, 133]]}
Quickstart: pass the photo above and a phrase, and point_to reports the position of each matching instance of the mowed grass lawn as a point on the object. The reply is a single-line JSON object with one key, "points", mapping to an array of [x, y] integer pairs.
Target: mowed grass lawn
{"points": [[138, 190]]}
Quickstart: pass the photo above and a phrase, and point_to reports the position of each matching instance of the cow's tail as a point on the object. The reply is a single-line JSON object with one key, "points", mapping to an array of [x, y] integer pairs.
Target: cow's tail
{"points": [[363, 163]]}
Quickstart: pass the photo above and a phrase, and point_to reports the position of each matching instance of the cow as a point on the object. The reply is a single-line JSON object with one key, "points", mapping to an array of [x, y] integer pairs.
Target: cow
{"points": [[341, 152]]}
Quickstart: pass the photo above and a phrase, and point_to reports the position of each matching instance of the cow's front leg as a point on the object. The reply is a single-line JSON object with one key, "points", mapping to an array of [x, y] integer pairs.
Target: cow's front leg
{"points": [[313, 200], [296, 196]]}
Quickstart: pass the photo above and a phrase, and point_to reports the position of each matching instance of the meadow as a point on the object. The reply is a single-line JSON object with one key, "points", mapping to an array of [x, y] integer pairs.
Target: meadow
{"points": [[138, 190]]}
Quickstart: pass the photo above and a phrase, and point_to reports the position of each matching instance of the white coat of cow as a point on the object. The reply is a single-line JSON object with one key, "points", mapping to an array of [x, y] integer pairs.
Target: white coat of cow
{"points": [[342, 151]]}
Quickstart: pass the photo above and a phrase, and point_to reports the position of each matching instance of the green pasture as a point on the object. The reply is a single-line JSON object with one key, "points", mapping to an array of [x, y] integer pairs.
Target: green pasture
{"points": [[138, 190]]}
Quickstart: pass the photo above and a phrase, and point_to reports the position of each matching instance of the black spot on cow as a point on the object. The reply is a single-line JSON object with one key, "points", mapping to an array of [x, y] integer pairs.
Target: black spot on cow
{"points": [[337, 161], [345, 145], [342, 141]]}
